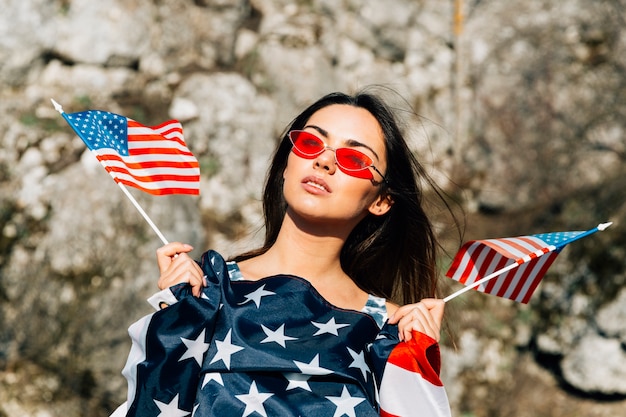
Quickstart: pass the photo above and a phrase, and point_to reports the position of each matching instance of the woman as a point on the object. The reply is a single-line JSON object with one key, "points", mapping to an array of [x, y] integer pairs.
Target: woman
{"points": [[294, 327]]}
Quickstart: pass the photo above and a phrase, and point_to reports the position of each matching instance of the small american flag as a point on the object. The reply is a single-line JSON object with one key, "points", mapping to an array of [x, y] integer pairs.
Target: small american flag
{"points": [[153, 159], [533, 254]]}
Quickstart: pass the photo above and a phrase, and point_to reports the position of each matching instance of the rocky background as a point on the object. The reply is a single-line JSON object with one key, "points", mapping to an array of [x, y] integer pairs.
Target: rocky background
{"points": [[521, 119]]}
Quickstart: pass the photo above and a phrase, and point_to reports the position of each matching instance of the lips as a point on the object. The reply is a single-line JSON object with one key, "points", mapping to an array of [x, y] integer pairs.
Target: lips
{"points": [[316, 183]]}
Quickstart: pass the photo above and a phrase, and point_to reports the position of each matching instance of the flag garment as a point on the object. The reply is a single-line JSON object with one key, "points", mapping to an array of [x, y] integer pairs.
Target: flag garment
{"points": [[153, 159], [272, 347], [533, 255], [409, 383]]}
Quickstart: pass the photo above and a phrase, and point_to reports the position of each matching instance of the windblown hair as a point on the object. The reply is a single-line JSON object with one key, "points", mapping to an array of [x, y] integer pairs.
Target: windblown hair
{"points": [[392, 256]]}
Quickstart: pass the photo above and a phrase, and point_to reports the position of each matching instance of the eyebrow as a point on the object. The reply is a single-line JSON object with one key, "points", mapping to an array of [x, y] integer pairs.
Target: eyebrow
{"points": [[348, 142]]}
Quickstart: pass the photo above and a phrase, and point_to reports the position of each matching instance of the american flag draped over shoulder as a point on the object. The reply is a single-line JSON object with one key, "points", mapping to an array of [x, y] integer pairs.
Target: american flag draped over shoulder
{"points": [[531, 255], [153, 159], [272, 347]]}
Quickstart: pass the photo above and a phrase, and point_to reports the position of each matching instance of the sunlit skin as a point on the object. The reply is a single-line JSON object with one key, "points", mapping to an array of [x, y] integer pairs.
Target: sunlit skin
{"points": [[324, 205]]}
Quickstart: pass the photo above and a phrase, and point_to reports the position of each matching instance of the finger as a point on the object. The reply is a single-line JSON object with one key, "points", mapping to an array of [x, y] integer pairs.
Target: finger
{"points": [[436, 307], [165, 254], [404, 319], [183, 269], [413, 320], [424, 317], [428, 325], [400, 312]]}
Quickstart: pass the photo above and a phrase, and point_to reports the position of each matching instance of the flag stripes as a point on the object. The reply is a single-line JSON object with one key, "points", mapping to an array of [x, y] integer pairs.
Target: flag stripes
{"points": [[155, 159], [478, 259], [412, 371]]}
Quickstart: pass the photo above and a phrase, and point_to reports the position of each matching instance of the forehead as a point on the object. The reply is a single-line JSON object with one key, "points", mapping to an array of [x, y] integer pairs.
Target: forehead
{"points": [[345, 122]]}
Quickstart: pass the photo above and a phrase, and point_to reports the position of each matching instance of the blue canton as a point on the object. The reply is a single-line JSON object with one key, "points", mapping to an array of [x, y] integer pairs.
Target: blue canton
{"points": [[558, 239], [101, 129]]}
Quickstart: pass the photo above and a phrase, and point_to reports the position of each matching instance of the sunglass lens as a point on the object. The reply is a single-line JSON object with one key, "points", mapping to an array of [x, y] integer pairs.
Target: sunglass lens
{"points": [[352, 159], [355, 162], [306, 144]]}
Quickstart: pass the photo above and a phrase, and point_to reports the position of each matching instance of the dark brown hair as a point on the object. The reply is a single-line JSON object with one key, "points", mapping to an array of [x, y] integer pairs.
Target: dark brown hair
{"points": [[391, 256]]}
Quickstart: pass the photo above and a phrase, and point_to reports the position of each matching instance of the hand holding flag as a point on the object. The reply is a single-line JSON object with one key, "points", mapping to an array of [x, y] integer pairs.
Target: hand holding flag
{"points": [[519, 263]]}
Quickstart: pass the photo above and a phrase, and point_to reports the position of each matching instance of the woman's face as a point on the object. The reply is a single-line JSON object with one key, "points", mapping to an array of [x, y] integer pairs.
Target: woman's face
{"points": [[317, 190]]}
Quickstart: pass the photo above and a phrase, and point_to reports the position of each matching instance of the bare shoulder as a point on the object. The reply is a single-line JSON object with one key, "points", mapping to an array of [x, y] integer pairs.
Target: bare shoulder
{"points": [[391, 308], [251, 269]]}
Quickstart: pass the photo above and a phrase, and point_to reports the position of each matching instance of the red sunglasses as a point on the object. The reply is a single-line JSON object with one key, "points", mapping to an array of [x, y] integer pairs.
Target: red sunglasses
{"points": [[352, 162]]}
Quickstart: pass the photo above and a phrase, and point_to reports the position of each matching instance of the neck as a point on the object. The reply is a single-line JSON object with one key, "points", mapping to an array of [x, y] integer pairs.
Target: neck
{"points": [[309, 250]]}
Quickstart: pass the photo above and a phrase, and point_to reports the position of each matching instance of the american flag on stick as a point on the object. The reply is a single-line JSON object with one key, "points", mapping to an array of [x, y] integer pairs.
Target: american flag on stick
{"points": [[510, 267], [153, 159]]}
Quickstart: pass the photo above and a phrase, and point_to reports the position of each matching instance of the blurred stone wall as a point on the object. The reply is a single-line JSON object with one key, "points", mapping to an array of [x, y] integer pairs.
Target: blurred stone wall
{"points": [[519, 116]]}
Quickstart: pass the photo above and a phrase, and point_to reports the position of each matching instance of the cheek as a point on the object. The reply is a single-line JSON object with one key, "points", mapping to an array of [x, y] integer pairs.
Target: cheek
{"points": [[293, 163]]}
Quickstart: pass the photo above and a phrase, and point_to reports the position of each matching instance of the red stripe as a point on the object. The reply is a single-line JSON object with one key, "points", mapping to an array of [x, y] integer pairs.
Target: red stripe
{"points": [[158, 151], [522, 277], [156, 177], [173, 123], [539, 276], [149, 164], [160, 191], [514, 242], [468, 255], [491, 284], [457, 260], [137, 139], [420, 355]]}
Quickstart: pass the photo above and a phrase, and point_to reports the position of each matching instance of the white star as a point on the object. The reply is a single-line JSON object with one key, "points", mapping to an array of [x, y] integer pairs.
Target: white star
{"points": [[171, 409], [254, 401], [257, 295], [359, 362], [329, 327], [195, 348], [297, 380], [224, 350], [212, 376], [277, 335], [313, 367], [345, 404]]}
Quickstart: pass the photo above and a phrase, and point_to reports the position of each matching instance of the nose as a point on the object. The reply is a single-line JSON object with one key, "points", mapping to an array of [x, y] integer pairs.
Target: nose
{"points": [[326, 161]]}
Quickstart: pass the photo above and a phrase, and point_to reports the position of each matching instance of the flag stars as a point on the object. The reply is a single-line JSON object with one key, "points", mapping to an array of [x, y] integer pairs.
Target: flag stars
{"points": [[225, 349], [254, 401], [257, 295], [277, 336], [358, 361], [345, 404], [170, 409], [296, 380], [313, 367], [212, 376], [330, 327], [196, 348]]}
